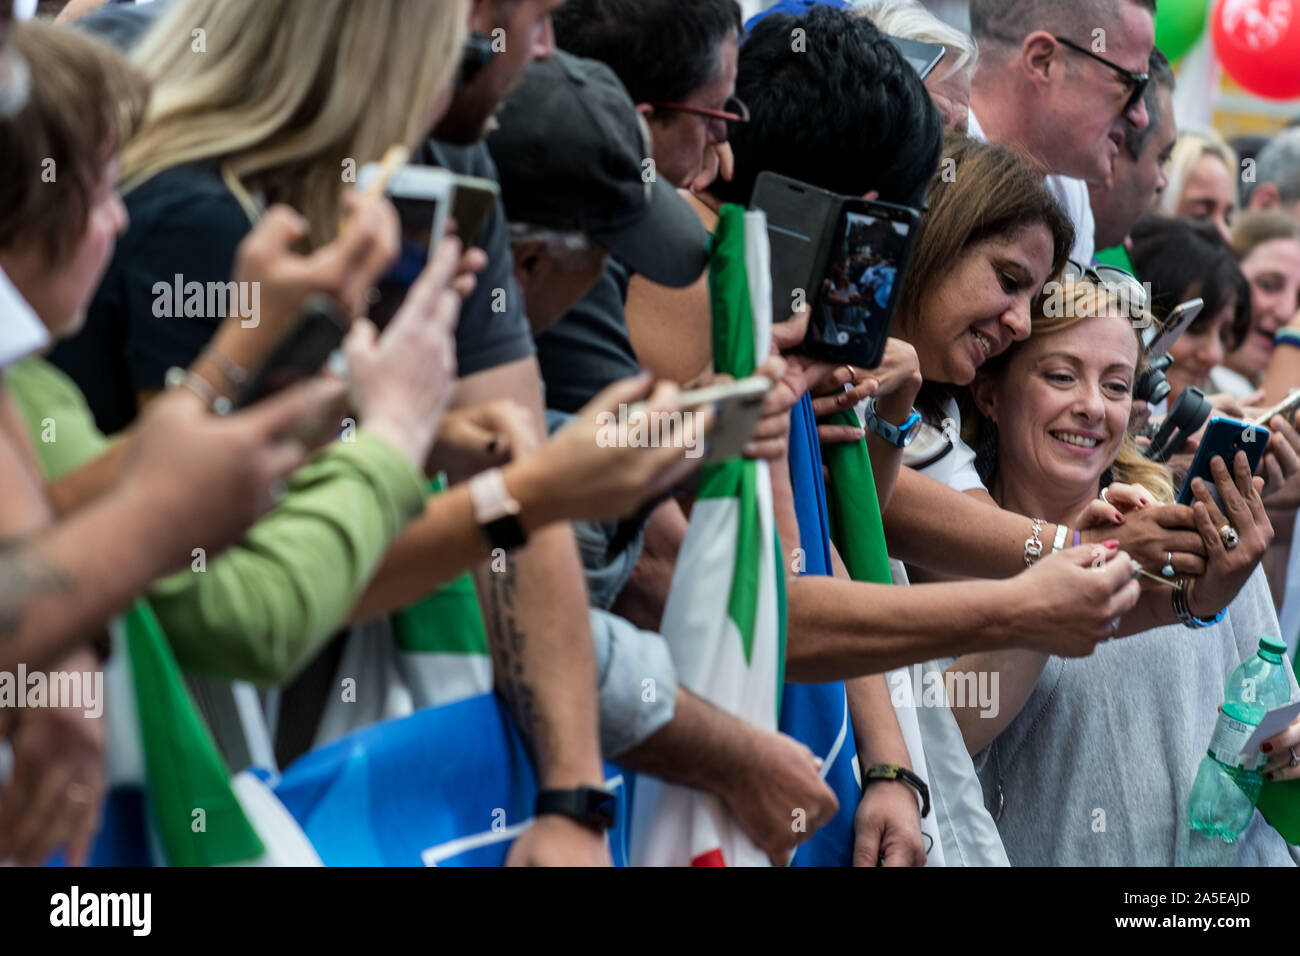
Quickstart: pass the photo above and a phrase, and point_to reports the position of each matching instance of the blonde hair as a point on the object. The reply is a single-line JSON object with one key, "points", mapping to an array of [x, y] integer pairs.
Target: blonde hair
{"points": [[911, 21], [1188, 150], [1074, 301], [283, 93], [1256, 228]]}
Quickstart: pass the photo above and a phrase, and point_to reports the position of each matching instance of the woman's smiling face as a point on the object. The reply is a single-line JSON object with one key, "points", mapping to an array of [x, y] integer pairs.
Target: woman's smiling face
{"points": [[1062, 404], [981, 305]]}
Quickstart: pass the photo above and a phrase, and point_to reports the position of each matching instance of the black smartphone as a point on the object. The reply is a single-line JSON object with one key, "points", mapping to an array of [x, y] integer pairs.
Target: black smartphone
{"points": [[858, 291], [474, 202], [797, 218], [924, 57], [319, 330], [1223, 438]]}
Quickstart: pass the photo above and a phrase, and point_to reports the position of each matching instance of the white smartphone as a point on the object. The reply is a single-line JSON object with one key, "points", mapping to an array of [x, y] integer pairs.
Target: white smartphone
{"points": [[1283, 408], [423, 196], [737, 406], [1175, 324]]}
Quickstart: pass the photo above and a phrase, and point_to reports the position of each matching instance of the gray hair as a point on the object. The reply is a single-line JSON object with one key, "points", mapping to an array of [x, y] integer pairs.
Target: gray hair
{"points": [[911, 21], [1135, 140], [1279, 163], [1010, 21]]}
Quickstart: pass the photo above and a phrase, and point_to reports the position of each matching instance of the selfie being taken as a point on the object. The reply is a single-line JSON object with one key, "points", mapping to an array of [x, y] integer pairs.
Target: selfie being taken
{"points": [[642, 433]]}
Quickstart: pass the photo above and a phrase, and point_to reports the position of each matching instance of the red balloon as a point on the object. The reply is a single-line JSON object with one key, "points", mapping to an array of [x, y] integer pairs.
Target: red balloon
{"points": [[1258, 43]]}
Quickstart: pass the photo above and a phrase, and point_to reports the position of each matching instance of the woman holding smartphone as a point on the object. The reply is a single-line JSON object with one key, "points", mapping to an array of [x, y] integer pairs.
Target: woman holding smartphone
{"points": [[1090, 761]]}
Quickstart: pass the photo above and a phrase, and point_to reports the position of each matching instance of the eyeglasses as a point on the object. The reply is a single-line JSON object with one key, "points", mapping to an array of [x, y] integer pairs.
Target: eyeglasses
{"points": [[733, 112], [1121, 286], [1137, 81]]}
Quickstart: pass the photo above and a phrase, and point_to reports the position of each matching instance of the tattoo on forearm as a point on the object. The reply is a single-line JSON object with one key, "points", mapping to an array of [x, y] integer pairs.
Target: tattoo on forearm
{"points": [[506, 637], [25, 574]]}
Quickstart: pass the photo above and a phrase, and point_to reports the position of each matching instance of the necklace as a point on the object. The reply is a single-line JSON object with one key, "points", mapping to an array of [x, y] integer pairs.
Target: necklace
{"points": [[1000, 796]]}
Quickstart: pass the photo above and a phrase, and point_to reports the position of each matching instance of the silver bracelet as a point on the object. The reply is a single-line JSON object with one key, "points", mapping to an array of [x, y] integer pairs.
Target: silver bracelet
{"points": [[1059, 543], [183, 378], [1034, 544], [233, 374]]}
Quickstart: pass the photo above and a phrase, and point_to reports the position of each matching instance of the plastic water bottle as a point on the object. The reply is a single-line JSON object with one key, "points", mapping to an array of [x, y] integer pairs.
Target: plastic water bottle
{"points": [[1228, 781]]}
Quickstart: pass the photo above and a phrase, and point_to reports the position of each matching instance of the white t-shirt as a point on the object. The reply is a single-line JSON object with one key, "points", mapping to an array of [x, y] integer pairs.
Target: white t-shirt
{"points": [[1072, 194], [939, 453]]}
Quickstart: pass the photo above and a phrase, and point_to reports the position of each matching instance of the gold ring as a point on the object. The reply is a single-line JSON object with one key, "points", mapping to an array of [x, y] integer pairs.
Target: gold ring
{"points": [[853, 373]]}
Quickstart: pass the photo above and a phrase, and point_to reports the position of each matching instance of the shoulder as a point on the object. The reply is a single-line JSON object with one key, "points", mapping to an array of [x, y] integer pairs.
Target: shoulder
{"points": [[184, 195]]}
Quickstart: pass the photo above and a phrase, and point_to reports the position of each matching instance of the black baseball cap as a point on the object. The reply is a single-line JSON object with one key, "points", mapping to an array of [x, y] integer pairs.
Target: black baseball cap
{"points": [[572, 155]]}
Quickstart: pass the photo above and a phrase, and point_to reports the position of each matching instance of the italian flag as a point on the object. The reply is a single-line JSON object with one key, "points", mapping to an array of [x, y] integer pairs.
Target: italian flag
{"points": [[196, 813], [725, 617]]}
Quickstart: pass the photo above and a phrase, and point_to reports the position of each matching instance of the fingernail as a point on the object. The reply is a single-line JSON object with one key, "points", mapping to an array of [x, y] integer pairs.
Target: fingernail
{"points": [[1111, 543], [1119, 518], [1267, 748], [1143, 501]]}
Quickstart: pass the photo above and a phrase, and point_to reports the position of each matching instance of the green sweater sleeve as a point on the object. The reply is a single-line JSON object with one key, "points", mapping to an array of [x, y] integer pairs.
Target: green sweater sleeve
{"points": [[261, 610]]}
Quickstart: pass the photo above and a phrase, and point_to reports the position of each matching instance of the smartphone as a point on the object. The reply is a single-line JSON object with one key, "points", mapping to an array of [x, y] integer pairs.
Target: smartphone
{"points": [[1158, 340], [423, 196], [797, 217], [860, 283], [738, 406], [474, 202], [845, 258], [319, 330], [924, 57], [1223, 438], [1283, 408]]}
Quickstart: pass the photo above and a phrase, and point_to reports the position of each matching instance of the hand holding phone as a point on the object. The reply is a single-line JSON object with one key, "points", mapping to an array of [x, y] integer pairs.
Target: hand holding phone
{"points": [[1223, 438]]}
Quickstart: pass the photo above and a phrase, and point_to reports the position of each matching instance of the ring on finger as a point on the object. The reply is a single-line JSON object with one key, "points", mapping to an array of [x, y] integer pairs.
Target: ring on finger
{"points": [[1114, 626], [1103, 495], [1168, 569], [1229, 536], [1295, 759]]}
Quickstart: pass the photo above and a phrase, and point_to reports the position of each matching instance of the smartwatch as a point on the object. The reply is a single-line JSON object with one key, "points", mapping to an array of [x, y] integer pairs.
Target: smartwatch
{"points": [[899, 436], [496, 512], [593, 807]]}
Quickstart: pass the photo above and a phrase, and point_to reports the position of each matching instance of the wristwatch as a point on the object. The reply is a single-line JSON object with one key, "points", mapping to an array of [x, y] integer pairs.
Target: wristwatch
{"points": [[890, 771], [496, 512], [899, 436], [593, 807]]}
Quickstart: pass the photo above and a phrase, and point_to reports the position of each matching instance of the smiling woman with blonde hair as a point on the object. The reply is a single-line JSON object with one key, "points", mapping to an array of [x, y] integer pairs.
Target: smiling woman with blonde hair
{"points": [[1122, 731], [254, 102]]}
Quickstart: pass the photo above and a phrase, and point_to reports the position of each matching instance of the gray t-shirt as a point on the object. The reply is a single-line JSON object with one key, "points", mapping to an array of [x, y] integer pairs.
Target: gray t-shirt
{"points": [[1097, 767]]}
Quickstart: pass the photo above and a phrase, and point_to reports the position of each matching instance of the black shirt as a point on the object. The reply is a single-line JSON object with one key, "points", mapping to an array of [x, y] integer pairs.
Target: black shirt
{"points": [[590, 347], [186, 223]]}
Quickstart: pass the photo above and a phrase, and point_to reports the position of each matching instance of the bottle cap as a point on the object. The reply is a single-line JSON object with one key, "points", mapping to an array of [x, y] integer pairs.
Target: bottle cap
{"points": [[1273, 644]]}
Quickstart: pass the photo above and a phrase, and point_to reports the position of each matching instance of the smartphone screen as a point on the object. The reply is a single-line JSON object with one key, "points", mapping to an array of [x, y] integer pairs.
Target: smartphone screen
{"points": [[860, 285], [418, 217]]}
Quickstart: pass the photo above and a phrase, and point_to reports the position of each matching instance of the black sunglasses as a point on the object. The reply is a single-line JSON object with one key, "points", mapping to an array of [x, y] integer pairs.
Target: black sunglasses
{"points": [[1138, 81], [1124, 286]]}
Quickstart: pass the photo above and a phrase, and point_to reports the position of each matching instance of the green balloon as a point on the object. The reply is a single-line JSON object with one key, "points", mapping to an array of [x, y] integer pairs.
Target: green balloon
{"points": [[1179, 24]]}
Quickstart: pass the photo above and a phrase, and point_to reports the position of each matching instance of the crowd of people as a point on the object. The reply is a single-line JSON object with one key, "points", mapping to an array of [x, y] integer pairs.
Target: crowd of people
{"points": [[291, 542]]}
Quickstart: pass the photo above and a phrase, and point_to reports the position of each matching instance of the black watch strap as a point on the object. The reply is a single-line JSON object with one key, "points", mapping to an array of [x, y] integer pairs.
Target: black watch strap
{"points": [[593, 807], [890, 771], [505, 532]]}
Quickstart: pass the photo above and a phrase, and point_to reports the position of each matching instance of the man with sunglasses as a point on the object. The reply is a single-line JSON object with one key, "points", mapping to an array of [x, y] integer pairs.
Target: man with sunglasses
{"points": [[1062, 84]]}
